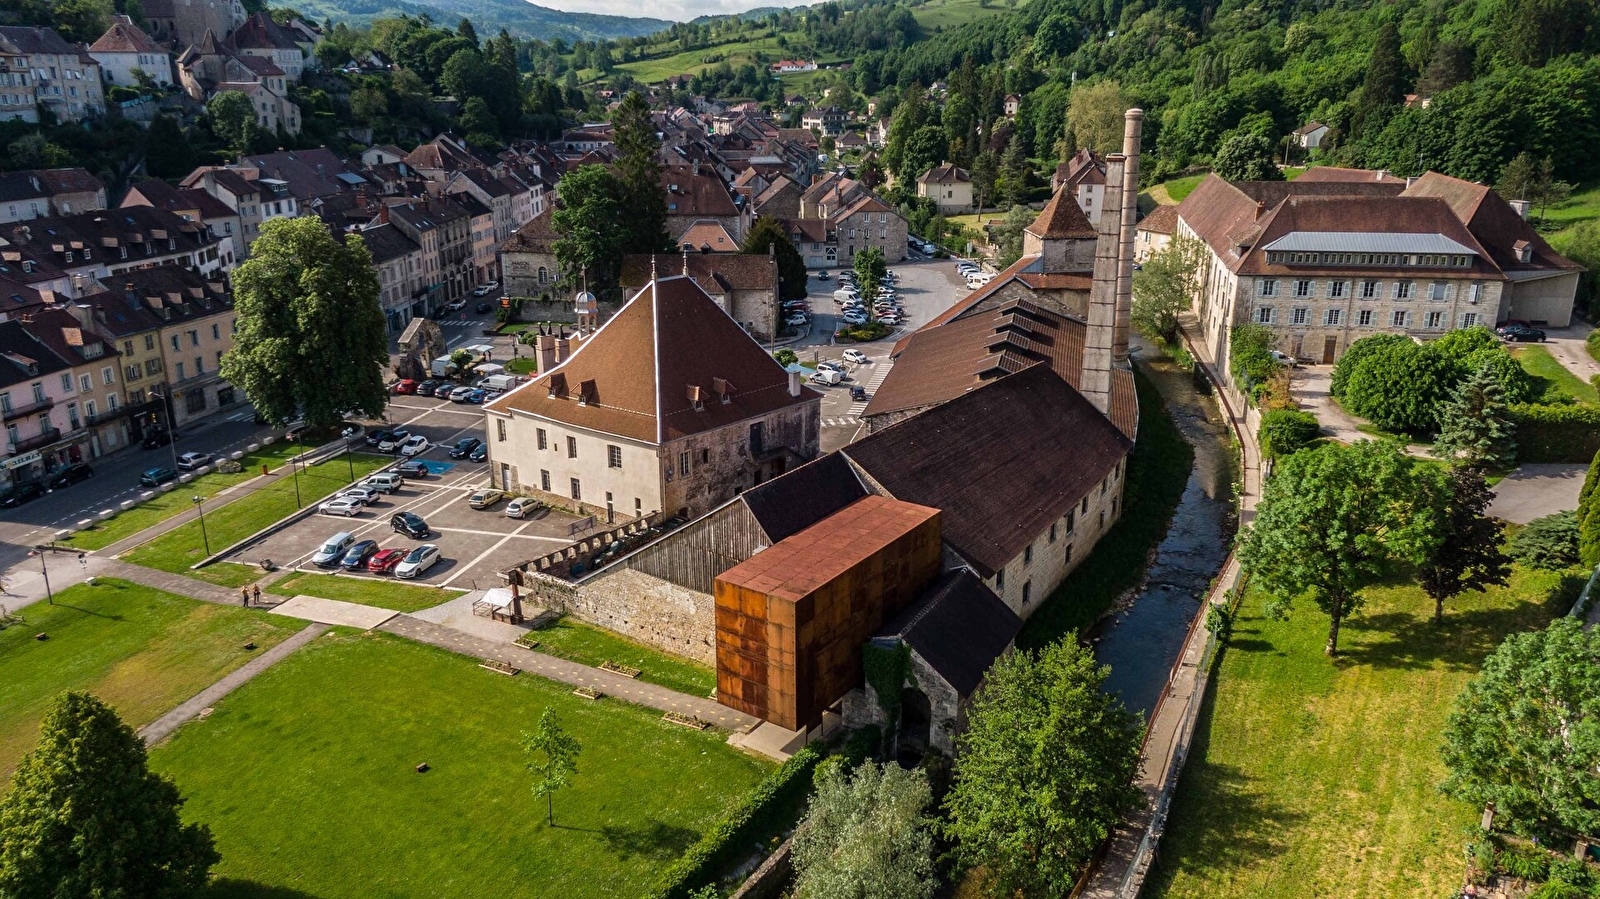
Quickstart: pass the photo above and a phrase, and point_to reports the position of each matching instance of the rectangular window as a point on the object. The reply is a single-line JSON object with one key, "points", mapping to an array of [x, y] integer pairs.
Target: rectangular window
{"points": [[577, 490], [1263, 315], [1438, 291], [199, 366], [1027, 554], [683, 464], [149, 341], [614, 456], [108, 375], [500, 430], [1299, 315], [1369, 289], [175, 345], [1269, 287], [1332, 316], [543, 444], [1398, 320], [112, 402], [1469, 319], [1402, 290], [85, 383], [1364, 318], [1435, 320], [1052, 532], [1000, 581], [1302, 288], [544, 480], [66, 382], [216, 332], [1027, 591], [180, 371], [572, 447], [1068, 558], [1336, 289]]}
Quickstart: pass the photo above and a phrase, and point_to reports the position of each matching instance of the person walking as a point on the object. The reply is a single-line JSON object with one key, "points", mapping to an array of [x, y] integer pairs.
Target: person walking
{"points": [[255, 592], [83, 561], [244, 596]]}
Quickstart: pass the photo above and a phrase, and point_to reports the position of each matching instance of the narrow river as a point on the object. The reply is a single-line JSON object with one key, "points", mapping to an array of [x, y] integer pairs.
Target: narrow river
{"points": [[1142, 638]]}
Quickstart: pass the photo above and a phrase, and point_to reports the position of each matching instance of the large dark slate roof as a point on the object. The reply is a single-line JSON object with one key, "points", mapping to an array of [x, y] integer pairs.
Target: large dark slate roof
{"points": [[958, 626], [787, 505]]}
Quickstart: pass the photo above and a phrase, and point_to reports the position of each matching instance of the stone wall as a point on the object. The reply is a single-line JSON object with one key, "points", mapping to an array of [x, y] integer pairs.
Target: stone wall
{"points": [[720, 463], [640, 607], [949, 712]]}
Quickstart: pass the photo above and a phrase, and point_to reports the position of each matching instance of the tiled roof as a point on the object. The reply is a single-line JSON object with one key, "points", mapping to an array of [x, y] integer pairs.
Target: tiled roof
{"points": [[787, 505], [61, 331], [1492, 221], [386, 243], [28, 39], [708, 237], [309, 173], [1335, 173], [1061, 219], [947, 173], [724, 271], [260, 32], [23, 358], [537, 236], [958, 626], [125, 37], [638, 375], [1162, 220], [996, 495], [696, 193]]}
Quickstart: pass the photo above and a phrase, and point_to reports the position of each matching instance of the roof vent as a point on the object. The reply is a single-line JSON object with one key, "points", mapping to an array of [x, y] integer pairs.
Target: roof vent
{"points": [[696, 399], [558, 385], [723, 389]]}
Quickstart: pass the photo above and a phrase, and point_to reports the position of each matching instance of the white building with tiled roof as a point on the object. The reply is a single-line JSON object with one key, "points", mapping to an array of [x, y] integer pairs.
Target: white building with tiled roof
{"points": [[125, 49]]}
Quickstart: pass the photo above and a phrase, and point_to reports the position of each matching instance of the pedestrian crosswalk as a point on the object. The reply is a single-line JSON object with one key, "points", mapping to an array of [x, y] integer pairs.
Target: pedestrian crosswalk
{"points": [[463, 323], [880, 370], [847, 421]]}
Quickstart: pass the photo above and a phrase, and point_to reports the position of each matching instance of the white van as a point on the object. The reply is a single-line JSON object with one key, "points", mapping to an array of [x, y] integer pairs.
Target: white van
{"points": [[387, 481], [827, 377], [499, 383]]}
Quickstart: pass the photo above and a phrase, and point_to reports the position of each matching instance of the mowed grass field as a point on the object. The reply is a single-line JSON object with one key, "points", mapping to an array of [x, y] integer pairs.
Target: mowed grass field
{"points": [[1315, 777], [141, 650], [385, 593], [938, 14], [1556, 379], [226, 524], [306, 776], [589, 645]]}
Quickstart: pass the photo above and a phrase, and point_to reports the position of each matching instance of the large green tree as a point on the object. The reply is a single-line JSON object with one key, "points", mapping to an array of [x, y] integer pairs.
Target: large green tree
{"points": [[1095, 116], [1333, 518], [233, 120], [86, 817], [870, 269], [168, 154], [311, 336], [1588, 516], [1475, 426], [643, 200], [1167, 284], [1244, 156], [866, 834], [1465, 551], [589, 242], [1525, 733], [553, 759], [1043, 772], [767, 234], [1383, 86]]}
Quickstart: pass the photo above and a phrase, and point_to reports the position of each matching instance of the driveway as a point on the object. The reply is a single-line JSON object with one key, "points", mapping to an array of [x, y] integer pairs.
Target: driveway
{"points": [[1536, 490], [1566, 344]]}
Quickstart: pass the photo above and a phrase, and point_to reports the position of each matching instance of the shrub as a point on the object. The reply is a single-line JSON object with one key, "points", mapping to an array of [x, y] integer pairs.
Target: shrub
{"points": [[1283, 431], [1528, 864], [1565, 433], [870, 331], [1550, 542], [1556, 889], [729, 840], [1356, 352], [1592, 344], [1401, 387], [1250, 356], [786, 357]]}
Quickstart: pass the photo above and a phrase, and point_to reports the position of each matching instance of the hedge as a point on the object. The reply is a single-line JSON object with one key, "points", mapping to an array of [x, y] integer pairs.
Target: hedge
{"points": [[734, 836], [1565, 433]]}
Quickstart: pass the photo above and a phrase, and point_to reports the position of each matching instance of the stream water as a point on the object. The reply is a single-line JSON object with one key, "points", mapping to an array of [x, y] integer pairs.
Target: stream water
{"points": [[1142, 638]]}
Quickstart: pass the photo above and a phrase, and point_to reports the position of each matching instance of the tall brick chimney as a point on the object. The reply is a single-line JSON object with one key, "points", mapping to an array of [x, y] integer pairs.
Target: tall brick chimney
{"points": [[1133, 129], [1099, 339]]}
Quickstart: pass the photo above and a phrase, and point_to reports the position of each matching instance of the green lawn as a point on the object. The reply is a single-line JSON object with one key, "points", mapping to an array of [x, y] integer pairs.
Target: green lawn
{"points": [[1555, 379], [522, 365], [183, 546], [306, 777], [589, 645], [690, 62], [384, 594], [1312, 777], [1583, 205], [1178, 188], [950, 13], [139, 649], [165, 505]]}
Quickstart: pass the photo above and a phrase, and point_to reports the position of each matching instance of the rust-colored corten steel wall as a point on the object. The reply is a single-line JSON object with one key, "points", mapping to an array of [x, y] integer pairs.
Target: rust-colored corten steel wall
{"points": [[792, 618]]}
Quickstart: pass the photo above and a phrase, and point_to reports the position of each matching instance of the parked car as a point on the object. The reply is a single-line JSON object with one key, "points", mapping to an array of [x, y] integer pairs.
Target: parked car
{"points": [[485, 499], [383, 482], [1509, 325], [410, 524], [405, 385], [333, 549], [366, 495], [155, 477], [392, 443], [155, 439], [191, 461], [72, 474], [854, 318], [384, 560], [482, 290], [444, 389], [483, 307], [480, 454], [341, 505], [795, 321], [855, 356], [415, 445], [417, 562], [23, 493], [355, 558], [858, 394], [464, 447], [460, 394], [521, 507], [426, 388], [822, 276], [455, 305], [1524, 334], [831, 366], [412, 468], [1284, 358], [827, 377], [477, 396]]}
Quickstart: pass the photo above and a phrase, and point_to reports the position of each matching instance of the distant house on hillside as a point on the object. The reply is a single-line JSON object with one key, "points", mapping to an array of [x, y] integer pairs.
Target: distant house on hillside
{"points": [[949, 187], [785, 66], [1309, 136]]}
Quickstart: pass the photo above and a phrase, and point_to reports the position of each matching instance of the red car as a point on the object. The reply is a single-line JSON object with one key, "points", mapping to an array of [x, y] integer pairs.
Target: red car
{"points": [[384, 561], [405, 386]]}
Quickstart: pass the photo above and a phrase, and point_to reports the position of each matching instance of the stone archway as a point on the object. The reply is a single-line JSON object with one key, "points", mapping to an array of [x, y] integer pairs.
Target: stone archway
{"points": [[916, 725]]}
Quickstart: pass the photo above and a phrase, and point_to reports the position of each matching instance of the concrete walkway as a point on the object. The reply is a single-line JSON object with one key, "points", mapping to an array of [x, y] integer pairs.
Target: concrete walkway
{"points": [[549, 666], [1310, 386], [162, 727], [333, 611], [1567, 345], [1534, 490]]}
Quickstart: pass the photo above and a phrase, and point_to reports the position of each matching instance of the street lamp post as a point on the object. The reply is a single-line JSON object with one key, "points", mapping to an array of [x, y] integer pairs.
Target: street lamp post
{"points": [[172, 432], [49, 596], [350, 459], [294, 467], [200, 509]]}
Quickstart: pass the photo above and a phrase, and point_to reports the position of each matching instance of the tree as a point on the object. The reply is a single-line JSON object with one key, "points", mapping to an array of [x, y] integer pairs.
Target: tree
{"points": [[1525, 178], [1011, 184], [768, 234], [1475, 426], [478, 122], [870, 171], [590, 243], [1287, 431], [1332, 519], [465, 29], [985, 171], [1466, 553], [643, 200], [866, 834], [1402, 387], [81, 20], [553, 759], [1525, 733], [1383, 87], [172, 156], [1588, 516], [1043, 772], [1167, 284], [1450, 65], [925, 149], [1008, 235], [233, 120], [870, 270], [1549, 542], [311, 337], [1095, 115], [368, 104], [1245, 157], [85, 815]]}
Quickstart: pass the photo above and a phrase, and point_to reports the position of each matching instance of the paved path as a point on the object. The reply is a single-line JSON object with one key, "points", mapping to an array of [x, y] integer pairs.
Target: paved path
{"points": [[333, 611], [1566, 344], [1534, 490], [162, 727], [1309, 386], [573, 673]]}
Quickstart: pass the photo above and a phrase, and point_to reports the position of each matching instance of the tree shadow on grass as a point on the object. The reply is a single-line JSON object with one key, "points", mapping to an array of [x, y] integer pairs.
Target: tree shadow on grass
{"points": [[231, 888], [655, 840], [1411, 641]]}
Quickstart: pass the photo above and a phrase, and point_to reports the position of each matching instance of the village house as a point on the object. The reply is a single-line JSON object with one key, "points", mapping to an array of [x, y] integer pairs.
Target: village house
{"points": [[949, 187], [528, 260], [743, 285], [124, 50], [827, 120], [1084, 175], [36, 193], [66, 80]]}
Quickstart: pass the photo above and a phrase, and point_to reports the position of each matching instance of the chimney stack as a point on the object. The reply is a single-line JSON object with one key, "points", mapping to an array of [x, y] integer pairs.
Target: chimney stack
{"points": [[1133, 129], [544, 352], [1100, 335]]}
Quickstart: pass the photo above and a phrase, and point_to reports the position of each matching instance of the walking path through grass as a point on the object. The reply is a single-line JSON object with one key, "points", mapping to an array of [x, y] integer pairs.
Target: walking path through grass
{"points": [[307, 777], [589, 645], [1557, 381], [162, 727]]}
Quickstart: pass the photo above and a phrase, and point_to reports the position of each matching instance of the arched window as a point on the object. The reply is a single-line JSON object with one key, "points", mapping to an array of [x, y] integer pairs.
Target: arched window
{"points": [[544, 275]]}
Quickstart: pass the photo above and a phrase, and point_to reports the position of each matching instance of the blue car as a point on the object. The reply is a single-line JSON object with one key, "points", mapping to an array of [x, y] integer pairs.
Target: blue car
{"points": [[476, 396]]}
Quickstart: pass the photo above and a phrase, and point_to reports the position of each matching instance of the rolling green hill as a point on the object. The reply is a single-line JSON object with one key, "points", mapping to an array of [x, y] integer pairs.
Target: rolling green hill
{"points": [[519, 17]]}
